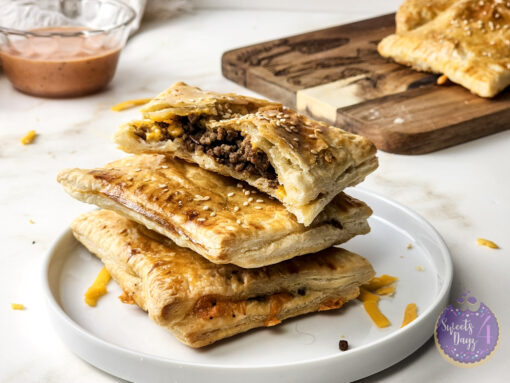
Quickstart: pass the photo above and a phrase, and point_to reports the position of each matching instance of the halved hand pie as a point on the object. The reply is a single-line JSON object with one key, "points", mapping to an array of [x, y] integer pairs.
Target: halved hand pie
{"points": [[218, 217], [301, 162], [467, 40], [201, 302]]}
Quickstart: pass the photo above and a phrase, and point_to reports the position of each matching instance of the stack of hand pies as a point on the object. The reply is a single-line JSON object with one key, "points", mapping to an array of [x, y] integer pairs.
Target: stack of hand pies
{"points": [[224, 218]]}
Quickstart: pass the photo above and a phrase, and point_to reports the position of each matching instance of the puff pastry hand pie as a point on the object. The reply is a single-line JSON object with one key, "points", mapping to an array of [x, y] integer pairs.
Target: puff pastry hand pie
{"points": [[201, 302], [216, 216], [301, 162], [469, 42]]}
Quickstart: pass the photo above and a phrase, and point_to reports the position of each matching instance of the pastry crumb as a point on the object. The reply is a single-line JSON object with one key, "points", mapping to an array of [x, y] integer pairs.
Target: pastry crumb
{"points": [[409, 246], [420, 268], [441, 80], [28, 138], [487, 243], [17, 306]]}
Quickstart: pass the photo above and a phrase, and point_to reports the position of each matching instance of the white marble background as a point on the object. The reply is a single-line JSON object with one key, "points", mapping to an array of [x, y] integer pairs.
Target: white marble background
{"points": [[463, 191]]}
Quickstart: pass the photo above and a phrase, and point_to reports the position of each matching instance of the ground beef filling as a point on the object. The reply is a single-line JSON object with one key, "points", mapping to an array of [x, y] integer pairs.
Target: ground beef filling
{"points": [[227, 147]]}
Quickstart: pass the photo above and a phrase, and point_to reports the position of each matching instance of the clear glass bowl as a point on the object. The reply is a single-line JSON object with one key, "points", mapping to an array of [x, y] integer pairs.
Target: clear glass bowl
{"points": [[62, 48]]}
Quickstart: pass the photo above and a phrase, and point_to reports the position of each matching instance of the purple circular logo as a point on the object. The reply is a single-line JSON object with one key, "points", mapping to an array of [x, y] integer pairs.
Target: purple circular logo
{"points": [[467, 333]]}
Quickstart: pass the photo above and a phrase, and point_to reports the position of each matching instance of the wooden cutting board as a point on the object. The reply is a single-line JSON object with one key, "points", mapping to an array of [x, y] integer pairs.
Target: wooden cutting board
{"points": [[336, 75]]}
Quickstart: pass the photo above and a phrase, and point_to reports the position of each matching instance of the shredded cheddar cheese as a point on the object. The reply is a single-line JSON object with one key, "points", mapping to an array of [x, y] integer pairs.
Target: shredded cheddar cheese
{"points": [[385, 290], [370, 303], [129, 104], [98, 288], [441, 80], [410, 314], [486, 242], [17, 306], [28, 138], [378, 282], [154, 135]]}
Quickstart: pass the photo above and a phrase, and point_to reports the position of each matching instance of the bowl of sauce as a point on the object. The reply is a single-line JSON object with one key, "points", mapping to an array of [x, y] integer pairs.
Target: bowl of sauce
{"points": [[62, 48]]}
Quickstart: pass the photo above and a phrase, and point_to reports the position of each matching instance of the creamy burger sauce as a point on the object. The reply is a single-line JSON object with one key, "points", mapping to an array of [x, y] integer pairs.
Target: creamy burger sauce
{"points": [[61, 66]]}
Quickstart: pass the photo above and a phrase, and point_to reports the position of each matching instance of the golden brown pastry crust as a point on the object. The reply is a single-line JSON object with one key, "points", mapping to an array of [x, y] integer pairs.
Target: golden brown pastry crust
{"points": [[201, 302], [313, 161], [216, 216], [469, 42], [414, 13]]}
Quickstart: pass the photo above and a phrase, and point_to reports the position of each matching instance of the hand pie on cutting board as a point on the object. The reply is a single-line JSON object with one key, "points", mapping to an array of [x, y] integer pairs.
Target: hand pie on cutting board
{"points": [[301, 162], [469, 42], [218, 217], [201, 302]]}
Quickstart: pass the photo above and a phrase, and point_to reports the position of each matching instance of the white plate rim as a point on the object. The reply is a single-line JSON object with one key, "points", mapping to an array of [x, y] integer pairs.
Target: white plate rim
{"points": [[441, 296]]}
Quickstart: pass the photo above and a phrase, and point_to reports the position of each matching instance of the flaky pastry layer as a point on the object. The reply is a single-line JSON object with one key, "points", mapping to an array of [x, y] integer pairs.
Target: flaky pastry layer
{"points": [[201, 302], [218, 217]]}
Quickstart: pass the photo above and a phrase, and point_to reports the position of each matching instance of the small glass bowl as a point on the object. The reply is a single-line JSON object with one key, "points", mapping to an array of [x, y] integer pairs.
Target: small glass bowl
{"points": [[62, 48]]}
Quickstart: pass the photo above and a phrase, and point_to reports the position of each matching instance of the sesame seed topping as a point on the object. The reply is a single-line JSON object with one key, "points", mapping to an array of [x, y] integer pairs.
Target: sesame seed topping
{"points": [[295, 138], [206, 207], [247, 192], [238, 221], [236, 208], [313, 151], [260, 201], [201, 219], [258, 207], [312, 136], [250, 199], [138, 170], [245, 203], [231, 194], [163, 186], [239, 185], [164, 167], [213, 214]]}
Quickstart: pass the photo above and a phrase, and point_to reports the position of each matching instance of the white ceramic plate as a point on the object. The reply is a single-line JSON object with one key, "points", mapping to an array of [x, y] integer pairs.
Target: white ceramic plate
{"points": [[123, 341]]}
